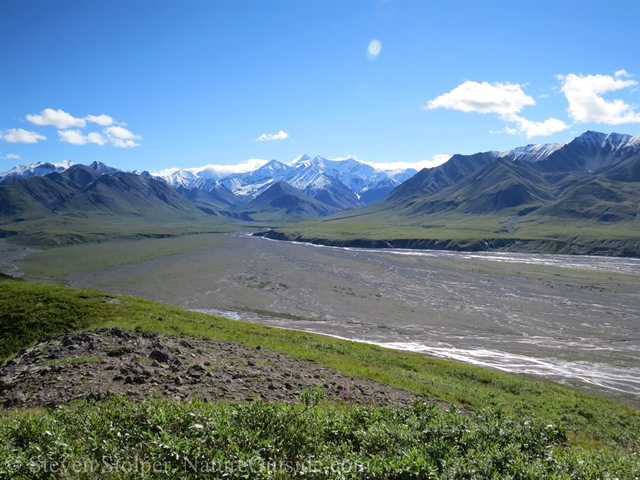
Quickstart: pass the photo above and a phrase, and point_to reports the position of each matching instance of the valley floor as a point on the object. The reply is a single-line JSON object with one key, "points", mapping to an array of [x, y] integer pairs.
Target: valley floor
{"points": [[571, 319]]}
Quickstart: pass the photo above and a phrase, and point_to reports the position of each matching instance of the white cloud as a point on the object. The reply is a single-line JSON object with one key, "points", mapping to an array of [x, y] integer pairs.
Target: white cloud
{"points": [[121, 137], [95, 137], [12, 156], [18, 135], [216, 171], [265, 137], [507, 130], [505, 99], [77, 138], [57, 118], [500, 98], [116, 136], [586, 104], [166, 172], [63, 120], [118, 142], [535, 129], [102, 120], [72, 136], [122, 133], [543, 95], [246, 166], [437, 159]]}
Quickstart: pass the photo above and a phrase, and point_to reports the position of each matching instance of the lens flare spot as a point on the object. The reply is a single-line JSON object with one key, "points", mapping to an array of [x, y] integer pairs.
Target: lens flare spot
{"points": [[373, 50]]}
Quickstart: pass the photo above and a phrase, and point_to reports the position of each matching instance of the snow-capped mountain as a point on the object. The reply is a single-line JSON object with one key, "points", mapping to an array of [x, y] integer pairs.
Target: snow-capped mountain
{"points": [[602, 149], [591, 151], [343, 182], [533, 152], [37, 169], [349, 182], [103, 167], [251, 184], [352, 173]]}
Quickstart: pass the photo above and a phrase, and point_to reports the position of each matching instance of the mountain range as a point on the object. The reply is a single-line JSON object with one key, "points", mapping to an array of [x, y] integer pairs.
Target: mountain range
{"points": [[338, 183], [578, 197], [530, 177], [593, 178]]}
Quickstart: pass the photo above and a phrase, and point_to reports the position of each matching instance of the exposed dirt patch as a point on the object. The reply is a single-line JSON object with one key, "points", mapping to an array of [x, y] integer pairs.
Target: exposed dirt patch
{"points": [[97, 364]]}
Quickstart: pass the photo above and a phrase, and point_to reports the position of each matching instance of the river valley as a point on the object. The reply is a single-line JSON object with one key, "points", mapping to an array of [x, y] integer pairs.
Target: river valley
{"points": [[572, 319]]}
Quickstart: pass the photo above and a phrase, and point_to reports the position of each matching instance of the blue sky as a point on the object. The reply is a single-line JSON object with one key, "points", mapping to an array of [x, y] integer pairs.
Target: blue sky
{"points": [[152, 84]]}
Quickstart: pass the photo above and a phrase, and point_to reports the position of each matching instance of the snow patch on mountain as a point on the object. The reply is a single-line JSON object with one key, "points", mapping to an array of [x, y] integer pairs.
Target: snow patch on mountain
{"points": [[103, 167], [614, 141], [532, 153], [36, 169]]}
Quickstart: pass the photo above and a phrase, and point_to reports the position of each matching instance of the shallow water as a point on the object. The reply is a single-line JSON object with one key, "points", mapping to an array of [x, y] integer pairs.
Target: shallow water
{"points": [[624, 380]]}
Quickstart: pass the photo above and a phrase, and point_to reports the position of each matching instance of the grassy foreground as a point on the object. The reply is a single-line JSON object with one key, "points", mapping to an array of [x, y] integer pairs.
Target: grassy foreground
{"points": [[122, 439], [604, 434]]}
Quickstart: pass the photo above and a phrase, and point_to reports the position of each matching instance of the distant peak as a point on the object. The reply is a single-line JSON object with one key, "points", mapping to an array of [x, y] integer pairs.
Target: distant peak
{"points": [[103, 167], [590, 135], [301, 158], [616, 140]]}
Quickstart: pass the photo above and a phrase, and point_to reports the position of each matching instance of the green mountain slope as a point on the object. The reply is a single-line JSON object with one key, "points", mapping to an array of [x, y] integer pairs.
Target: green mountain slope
{"points": [[32, 199], [81, 204], [500, 185], [131, 195], [430, 180]]}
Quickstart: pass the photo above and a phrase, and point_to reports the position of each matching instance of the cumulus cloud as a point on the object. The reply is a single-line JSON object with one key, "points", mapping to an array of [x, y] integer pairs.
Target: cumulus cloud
{"points": [[504, 99], [116, 136], [535, 129], [102, 120], [500, 98], [121, 137], [57, 118], [214, 170], [219, 170], [77, 138], [18, 135], [586, 104], [265, 137], [63, 120], [12, 156], [622, 73], [437, 159]]}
